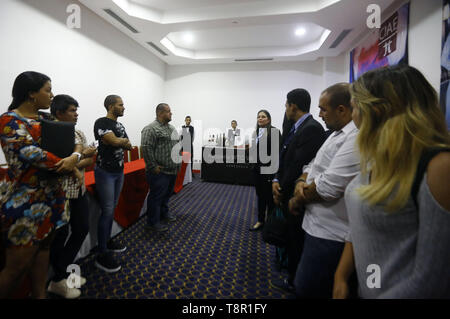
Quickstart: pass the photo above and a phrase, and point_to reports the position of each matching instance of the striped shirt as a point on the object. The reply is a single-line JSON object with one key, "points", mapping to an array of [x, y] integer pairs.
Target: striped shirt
{"points": [[159, 147]]}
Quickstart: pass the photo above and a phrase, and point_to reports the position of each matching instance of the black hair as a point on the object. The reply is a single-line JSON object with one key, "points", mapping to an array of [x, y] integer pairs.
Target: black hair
{"points": [[301, 98], [187, 117], [339, 94], [61, 103], [24, 84], [160, 107], [110, 100], [268, 116]]}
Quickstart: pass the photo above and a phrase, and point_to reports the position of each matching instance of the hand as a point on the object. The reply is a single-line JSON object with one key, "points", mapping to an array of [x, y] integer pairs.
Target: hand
{"points": [[276, 191], [128, 146], [89, 151], [67, 164], [300, 189], [77, 174], [157, 170], [295, 206], [340, 289]]}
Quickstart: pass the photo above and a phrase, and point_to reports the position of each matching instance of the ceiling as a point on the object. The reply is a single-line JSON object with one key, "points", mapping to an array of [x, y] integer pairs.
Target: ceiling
{"points": [[230, 31]]}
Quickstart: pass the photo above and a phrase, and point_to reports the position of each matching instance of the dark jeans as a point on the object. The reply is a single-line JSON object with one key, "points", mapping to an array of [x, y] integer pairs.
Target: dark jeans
{"points": [[161, 188], [108, 188], [318, 263], [296, 237], [63, 253], [263, 187]]}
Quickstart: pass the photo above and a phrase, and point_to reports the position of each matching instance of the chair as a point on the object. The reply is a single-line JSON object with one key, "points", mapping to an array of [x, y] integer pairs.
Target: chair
{"points": [[134, 153]]}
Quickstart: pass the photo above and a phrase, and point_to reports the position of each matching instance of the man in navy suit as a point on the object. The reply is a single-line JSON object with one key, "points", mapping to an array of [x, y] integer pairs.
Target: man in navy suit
{"points": [[299, 147]]}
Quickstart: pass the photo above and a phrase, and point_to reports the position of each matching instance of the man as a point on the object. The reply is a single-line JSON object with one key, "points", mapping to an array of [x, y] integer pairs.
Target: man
{"points": [[187, 138], [233, 132], [109, 178], [299, 147], [64, 250], [158, 140], [321, 189]]}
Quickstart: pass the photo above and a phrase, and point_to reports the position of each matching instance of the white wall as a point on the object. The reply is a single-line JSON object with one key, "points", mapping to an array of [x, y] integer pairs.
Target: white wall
{"points": [[88, 63], [217, 94], [425, 34]]}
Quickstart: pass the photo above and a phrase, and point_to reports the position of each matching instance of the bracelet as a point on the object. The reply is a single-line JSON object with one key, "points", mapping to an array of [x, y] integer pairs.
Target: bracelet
{"points": [[77, 154], [301, 180]]}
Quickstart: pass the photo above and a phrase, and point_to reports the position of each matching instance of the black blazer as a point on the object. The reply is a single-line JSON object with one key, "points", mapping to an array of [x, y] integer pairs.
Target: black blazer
{"points": [[301, 150], [267, 140]]}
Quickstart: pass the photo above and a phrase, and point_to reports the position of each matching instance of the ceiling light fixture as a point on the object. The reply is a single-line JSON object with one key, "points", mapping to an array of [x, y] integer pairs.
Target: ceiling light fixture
{"points": [[188, 37], [300, 31]]}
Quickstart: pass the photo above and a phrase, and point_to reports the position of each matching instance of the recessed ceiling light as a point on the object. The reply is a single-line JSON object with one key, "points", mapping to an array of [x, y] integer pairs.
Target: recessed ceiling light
{"points": [[188, 37], [300, 31]]}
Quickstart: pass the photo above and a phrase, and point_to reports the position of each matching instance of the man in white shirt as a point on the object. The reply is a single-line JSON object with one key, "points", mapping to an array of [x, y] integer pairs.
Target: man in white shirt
{"points": [[233, 134], [321, 190]]}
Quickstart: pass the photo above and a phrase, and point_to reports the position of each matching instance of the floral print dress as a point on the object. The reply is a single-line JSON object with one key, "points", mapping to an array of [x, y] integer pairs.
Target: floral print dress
{"points": [[31, 207]]}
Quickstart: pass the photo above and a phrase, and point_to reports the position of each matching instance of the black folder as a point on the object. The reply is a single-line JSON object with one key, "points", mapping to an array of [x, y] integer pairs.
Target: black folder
{"points": [[58, 137]]}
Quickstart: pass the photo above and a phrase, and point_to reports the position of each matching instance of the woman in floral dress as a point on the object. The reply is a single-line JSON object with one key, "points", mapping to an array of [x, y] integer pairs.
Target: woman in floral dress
{"points": [[31, 207]]}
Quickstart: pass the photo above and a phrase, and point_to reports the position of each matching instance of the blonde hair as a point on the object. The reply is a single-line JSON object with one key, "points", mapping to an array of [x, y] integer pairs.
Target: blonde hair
{"points": [[400, 117]]}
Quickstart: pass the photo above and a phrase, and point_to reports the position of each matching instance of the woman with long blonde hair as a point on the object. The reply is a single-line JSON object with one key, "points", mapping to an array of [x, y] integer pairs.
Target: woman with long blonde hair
{"points": [[399, 205]]}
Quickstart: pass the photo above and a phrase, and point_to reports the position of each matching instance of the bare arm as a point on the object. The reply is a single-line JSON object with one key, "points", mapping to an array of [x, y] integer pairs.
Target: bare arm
{"points": [[345, 268], [111, 139]]}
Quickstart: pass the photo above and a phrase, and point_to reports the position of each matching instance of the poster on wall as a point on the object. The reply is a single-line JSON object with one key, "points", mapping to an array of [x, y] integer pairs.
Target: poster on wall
{"points": [[387, 45], [445, 62]]}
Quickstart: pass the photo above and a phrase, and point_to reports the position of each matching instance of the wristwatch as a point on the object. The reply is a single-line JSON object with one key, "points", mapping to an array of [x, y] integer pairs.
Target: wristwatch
{"points": [[77, 154]]}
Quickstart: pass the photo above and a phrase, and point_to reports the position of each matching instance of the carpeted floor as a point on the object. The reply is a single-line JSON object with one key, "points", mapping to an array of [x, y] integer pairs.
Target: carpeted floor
{"points": [[208, 252]]}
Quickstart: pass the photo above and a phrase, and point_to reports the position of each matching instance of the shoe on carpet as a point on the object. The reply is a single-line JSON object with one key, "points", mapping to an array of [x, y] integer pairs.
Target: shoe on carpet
{"points": [[116, 247], [170, 219], [82, 279], [107, 263], [283, 285], [60, 288], [257, 226], [157, 228]]}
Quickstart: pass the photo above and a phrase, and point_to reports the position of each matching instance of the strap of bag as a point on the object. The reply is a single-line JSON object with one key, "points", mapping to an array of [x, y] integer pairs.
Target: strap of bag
{"points": [[426, 157]]}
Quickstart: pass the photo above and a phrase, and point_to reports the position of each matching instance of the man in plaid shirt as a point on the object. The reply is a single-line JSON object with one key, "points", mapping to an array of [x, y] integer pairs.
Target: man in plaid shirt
{"points": [[161, 150], [64, 250]]}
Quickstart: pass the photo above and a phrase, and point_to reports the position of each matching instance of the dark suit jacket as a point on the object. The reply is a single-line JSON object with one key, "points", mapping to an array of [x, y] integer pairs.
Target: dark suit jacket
{"points": [[301, 150], [266, 139]]}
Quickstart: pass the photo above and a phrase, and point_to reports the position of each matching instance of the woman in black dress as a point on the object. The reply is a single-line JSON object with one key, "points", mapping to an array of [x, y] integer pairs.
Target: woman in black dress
{"points": [[266, 165]]}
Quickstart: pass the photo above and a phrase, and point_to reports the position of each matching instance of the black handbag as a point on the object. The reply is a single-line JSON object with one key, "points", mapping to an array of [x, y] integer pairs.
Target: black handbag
{"points": [[275, 229]]}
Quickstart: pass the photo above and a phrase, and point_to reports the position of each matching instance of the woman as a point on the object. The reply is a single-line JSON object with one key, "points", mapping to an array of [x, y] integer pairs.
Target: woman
{"points": [[264, 168], [31, 208], [400, 239]]}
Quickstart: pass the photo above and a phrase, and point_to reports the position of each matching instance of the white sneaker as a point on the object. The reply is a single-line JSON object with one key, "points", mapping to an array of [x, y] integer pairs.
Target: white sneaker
{"points": [[60, 288], [82, 279]]}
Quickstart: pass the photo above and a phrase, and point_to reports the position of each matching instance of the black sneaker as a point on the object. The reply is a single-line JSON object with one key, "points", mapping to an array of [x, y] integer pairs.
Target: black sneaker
{"points": [[116, 247], [157, 228], [169, 219], [283, 285], [107, 263]]}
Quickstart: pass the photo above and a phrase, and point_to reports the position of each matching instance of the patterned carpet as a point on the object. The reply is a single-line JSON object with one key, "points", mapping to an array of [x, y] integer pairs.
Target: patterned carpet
{"points": [[208, 252]]}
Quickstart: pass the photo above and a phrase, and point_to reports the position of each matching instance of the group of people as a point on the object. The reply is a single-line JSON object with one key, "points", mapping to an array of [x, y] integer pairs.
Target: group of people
{"points": [[371, 192], [367, 203], [37, 209]]}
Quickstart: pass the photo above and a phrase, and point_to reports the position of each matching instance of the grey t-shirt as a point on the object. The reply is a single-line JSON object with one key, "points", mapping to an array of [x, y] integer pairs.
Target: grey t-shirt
{"points": [[411, 247]]}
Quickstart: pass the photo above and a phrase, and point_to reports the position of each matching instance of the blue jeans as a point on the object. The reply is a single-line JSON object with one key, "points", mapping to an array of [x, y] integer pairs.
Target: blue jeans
{"points": [[315, 272], [161, 188], [108, 187]]}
